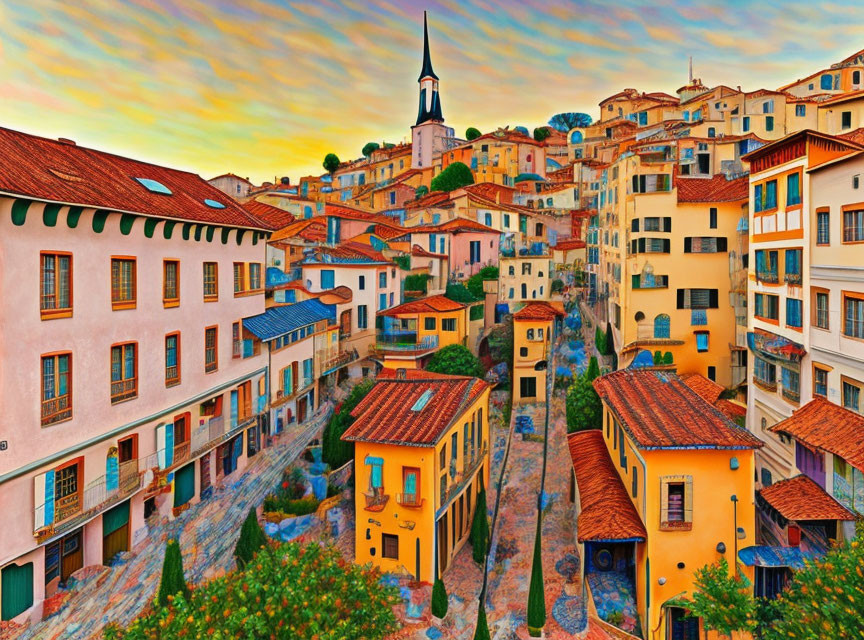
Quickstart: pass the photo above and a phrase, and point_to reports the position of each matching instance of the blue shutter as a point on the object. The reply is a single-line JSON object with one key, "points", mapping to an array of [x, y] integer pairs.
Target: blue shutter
{"points": [[49, 497], [112, 473], [233, 409], [169, 445]]}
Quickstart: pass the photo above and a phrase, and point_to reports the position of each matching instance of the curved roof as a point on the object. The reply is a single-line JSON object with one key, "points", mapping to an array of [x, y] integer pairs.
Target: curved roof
{"points": [[432, 304], [537, 311], [800, 498]]}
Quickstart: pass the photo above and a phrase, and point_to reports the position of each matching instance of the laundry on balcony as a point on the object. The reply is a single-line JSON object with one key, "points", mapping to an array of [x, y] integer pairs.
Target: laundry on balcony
{"points": [[775, 347]]}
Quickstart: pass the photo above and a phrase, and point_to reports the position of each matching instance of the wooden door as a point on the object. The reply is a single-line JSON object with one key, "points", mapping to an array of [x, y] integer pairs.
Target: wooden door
{"points": [[115, 532], [72, 555], [442, 545]]}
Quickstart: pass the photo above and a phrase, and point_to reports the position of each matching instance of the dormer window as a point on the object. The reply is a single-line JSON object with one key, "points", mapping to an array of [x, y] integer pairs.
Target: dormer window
{"points": [[154, 186]]}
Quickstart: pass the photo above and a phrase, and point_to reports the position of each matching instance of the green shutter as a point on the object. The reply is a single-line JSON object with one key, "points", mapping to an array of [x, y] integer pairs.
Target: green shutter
{"points": [[115, 518], [187, 228], [16, 590], [184, 484], [19, 211], [210, 231], [168, 229], [199, 229], [150, 226], [73, 216], [99, 219], [240, 234], [225, 233], [126, 222], [49, 214]]}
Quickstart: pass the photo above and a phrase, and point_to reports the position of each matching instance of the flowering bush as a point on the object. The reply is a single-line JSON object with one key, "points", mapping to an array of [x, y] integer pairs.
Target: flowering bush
{"points": [[725, 602], [290, 591]]}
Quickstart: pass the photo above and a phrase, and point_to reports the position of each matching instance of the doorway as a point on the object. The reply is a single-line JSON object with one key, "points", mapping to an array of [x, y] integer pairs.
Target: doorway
{"points": [[115, 532], [442, 545], [64, 557]]}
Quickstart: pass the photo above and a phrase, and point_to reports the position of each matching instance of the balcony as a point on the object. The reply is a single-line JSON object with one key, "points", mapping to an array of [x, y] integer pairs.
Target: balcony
{"points": [[124, 389], [329, 364], [765, 385], [460, 479], [181, 452], [793, 395], [409, 500], [56, 410], [405, 342], [376, 501], [792, 278], [767, 276]]}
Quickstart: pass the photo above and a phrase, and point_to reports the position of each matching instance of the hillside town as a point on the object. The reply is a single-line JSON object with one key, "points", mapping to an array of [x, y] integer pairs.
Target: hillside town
{"points": [[599, 379]]}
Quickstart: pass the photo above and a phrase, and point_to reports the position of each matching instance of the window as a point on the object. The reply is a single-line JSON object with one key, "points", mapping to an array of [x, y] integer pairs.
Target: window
{"points": [[170, 283], [361, 283], [528, 387], [123, 287], [764, 373], [705, 245], [55, 298], [856, 77], [712, 132], [661, 326], [757, 198], [793, 312], [820, 308], [429, 324], [825, 82], [56, 388], [712, 218], [526, 268], [676, 498], [745, 123], [823, 227], [236, 340], [211, 349], [362, 316], [770, 195], [651, 224], [697, 299], [791, 384], [766, 307], [211, 281], [239, 278], [846, 120], [800, 110], [382, 301], [769, 123], [328, 279], [448, 324], [255, 276], [634, 483], [820, 381], [124, 372], [856, 181], [702, 341], [851, 395], [853, 226], [523, 352], [853, 316], [382, 280], [172, 359], [474, 251], [766, 477], [793, 189], [712, 373]]}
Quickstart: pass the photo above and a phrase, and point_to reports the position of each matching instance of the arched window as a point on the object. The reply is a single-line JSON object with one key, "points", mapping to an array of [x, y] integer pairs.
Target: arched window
{"points": [[548, 202], [856, 77], [512, 293], [530, 334], [540, 274], [488, 219], [661, 326], [576, 137], [511, 271], [524, 290], [534, 293]]}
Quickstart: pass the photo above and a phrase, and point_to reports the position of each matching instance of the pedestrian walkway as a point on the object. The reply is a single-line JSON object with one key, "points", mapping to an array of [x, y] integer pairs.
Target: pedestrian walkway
{"points": [[208, 533]]}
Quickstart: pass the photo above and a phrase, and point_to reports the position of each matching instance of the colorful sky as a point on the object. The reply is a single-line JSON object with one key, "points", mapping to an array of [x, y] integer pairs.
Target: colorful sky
{"points": [[266, 88]]}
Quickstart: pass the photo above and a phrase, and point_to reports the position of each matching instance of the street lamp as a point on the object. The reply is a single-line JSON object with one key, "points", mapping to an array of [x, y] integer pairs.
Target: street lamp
{"points": [[734, 499]]}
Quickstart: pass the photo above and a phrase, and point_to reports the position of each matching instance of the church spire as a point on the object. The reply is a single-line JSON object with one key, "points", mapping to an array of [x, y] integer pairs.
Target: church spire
{"points": [[426, 71]]}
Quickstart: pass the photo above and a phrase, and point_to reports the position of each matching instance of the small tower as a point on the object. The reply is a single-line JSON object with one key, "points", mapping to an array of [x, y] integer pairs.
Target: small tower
{"points": [[429, 133]]}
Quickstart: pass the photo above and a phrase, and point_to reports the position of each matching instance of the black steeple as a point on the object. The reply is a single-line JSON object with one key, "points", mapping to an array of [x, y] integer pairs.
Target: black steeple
{"points": [[426, 71]]}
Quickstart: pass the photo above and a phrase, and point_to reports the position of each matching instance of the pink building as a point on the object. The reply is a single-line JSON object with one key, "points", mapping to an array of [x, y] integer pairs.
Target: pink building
{"points": [[469, 244], [127, 385]]}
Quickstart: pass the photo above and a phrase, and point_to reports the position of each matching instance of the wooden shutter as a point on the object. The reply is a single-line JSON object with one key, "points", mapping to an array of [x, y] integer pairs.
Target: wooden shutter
{"points": [[247, 399], [667, 224], [160, 446], [688, 245], [43, 500], [633, 246], [664, 500], [641, 245], [688, 499]]}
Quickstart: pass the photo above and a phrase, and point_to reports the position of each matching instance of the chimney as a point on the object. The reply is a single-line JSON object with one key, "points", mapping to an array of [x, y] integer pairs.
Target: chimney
{"points": [[71, 143], [400, 373]]}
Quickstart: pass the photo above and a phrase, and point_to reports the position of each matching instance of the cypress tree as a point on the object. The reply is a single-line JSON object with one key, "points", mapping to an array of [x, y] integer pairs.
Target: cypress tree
{"points": [[536, 597], [593, 370], [481, 631], [439, 599], [172, 581], [480, 527], [252, 538]]}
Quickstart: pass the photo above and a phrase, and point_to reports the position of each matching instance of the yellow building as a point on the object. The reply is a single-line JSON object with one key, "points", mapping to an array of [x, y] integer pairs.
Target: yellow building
{"points": [[532, 334], [411, 332], [421, 454], [664, 488]]}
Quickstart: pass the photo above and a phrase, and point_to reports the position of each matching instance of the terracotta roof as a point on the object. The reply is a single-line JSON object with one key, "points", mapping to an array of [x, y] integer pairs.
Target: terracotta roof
{"points": [[432, 304], [387, 373], [823, 425], [660, 411], [490, 190], [433, 199], [716, 189], [710, 391], [607, 513], [537, 311], [311, 229], [420, 252], [800, 498], [569, 244], [388, 232], [507, 135], [857, 136], [62, 172], [387, 414], [231, 175], [272, 217], [455, 225]]}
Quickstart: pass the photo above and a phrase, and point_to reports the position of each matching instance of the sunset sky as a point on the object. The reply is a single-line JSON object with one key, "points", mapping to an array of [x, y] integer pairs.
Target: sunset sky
{"points": [[265, 88]]}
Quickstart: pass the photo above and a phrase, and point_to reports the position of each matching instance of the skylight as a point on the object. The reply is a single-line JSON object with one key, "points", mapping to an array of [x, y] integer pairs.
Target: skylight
{"points": [[154, 185], [422, 400], [213, 204]]}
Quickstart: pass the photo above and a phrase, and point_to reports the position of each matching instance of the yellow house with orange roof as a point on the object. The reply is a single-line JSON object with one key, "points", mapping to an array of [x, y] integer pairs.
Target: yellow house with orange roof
{"points": [[421, 455], [533, 332]]}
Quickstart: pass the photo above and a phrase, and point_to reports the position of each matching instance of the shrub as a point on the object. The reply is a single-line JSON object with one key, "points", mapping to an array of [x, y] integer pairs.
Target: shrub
{"points": [[481, 631], [417, 282], [476, 312], [566, 121], [369, 147], [583, 405], [455, 176], [667, 358], [331, 162], [335, 451], [557, 286], [658, 358], [480, 528], [279, 595], [439, 599], [541, 133], [593, 370], [536, 596], [403, 262], [600, 341], [172, 582], [421, 191], [458, 292], [724, 602], [472, 133], [456, 360], [251, 540], [475, 282]]}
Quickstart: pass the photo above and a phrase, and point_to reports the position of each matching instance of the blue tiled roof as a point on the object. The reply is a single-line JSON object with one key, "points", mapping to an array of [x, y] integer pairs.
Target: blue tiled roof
{"points": [[765, 556], [277, 321]]}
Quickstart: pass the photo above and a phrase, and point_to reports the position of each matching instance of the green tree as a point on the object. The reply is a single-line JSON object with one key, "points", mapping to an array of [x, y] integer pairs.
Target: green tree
{"points": [[593, 370], [600, 341], [501, 343], [456, 360], [566, 121], [825, 598], [279, 595], [481, 631], [370, 147], [458, 292], [331, 162], [557, 286], [439, 599], [480, 528], [584, 407], [455, 176], [668, 358], [475, 282], [658, 357], [172, 581], [536, 595], [541, 133], [252, 539], [610, 340], [421, 191], [335, 451], [724, 602], [472, 133], [417, 282]]}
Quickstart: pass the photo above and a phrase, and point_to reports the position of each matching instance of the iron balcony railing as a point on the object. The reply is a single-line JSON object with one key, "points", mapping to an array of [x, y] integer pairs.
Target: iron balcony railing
{"points": [[461, 478], [409, 500], [56, 409], [425, 344]]}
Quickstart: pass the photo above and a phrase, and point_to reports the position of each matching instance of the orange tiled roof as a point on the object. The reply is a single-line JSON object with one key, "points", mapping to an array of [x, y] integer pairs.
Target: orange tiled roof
{"points": [[273, 217], [433, 199], [410, 374], [432, 304], [710, 392], [660, 411], [420, 252], [537, 311], [607, 513], [821, 424], [490, 190], [800, 498], [387, 414], [716, 189], [455, 225], [569, 244], [311, 229]]}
